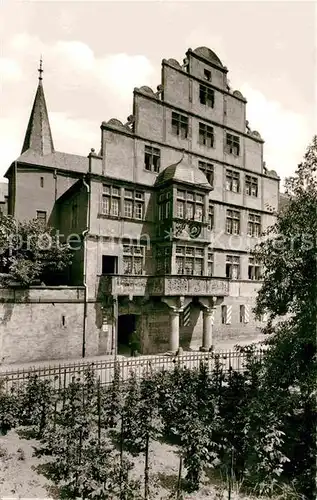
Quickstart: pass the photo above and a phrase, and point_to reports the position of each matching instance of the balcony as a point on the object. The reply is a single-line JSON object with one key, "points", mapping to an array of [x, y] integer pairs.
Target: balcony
{"points": [[164, 286]]}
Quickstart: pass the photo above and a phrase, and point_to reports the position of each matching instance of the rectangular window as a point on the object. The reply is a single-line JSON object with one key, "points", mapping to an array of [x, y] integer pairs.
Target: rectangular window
{"points": [[206, 96], [210, 216], [254, 269], [180, 125], [232, 144], [110, 204], [207, 75], [208, 170], [242, 314], [163, 260], [128, 208], [233, 267], [133, 204], [189, 205], [232, 181], [164, 205], [210, 263], [233, 222], [41, 215], [42, 182], [180, 209], [133, 259], [152, 159], [251, 186], [254, 225], [223, 315], [189, 260], [206, 135]]}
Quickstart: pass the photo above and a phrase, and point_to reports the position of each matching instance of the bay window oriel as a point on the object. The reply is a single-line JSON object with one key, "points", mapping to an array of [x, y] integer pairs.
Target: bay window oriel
{"points": [[189, 205], [189, 260], [164, 205], [163, 260]]}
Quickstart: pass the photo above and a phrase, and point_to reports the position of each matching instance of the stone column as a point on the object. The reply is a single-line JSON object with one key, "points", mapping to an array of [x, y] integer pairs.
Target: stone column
{"points": [[207, 328], [174, 335]]}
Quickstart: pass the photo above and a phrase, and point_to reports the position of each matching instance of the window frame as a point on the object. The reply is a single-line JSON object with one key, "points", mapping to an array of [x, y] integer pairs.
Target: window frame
{"points": [[151, 153], [189, 255], [254, 225], [196, 205], [233, 220], [233, 262], [206, 96], [163, 260], [208, 170], [180, 125], [210, 263], [112, 197], [233, 179], [211, 216], [206, 135], [251, 184], [232, 144], [136, 254], [43, 217], [254, 269]]}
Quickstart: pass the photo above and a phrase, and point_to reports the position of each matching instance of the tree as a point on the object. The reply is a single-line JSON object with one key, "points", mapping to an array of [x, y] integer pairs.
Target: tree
{"points": [[289, 296], [30, 251]]}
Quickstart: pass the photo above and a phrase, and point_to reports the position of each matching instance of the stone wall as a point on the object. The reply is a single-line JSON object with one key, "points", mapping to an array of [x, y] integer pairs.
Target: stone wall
{"points": [[44, 323]]}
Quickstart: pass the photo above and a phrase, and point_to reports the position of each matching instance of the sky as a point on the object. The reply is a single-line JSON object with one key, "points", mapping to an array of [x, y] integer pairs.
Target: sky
{"points": [[95, 53]]}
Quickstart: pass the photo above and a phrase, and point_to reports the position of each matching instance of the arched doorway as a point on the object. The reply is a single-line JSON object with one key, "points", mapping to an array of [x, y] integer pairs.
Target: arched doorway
{"points": [[126, 325]]}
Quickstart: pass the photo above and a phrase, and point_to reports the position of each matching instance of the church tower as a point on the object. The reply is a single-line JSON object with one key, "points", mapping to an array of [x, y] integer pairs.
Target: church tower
{"points": [[38, 137]]}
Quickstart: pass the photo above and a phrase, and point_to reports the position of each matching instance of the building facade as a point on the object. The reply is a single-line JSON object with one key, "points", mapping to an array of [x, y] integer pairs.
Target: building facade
{"points": [[165, 215]]}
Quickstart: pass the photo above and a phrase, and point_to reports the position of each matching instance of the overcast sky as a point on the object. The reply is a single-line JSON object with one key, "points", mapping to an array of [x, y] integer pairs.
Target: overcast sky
{"points": [[95, 53]]}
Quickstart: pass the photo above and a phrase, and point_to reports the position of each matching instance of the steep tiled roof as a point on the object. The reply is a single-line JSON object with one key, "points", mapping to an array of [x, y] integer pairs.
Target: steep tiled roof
{"points": [[38, 135], [64, 161]]}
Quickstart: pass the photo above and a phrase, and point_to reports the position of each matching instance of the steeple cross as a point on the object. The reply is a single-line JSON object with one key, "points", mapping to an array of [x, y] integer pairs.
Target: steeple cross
{"points": [[40, 70]]}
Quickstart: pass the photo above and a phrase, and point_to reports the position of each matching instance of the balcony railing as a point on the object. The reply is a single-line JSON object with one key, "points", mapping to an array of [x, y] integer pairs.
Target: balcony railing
{"points": [[164, 285]]}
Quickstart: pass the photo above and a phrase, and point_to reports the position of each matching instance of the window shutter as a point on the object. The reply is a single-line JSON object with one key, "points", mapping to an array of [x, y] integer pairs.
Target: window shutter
{"points": [[246, 314], [229, 315]]}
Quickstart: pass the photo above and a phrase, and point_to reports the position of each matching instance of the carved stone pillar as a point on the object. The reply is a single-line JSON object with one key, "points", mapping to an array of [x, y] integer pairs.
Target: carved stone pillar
{"points": [[207, 328], [208, 306], [174, 334], [177, 305]]}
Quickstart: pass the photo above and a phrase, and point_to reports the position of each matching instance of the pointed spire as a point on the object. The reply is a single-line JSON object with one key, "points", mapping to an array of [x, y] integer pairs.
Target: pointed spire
{"points": [[38, 137]]}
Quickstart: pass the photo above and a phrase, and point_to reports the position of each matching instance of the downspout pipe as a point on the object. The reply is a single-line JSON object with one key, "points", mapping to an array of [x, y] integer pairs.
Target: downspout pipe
{"points": [[84, 234]]}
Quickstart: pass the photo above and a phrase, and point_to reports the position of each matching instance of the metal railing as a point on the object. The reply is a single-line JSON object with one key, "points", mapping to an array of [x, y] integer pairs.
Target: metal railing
{"points": [[62, 374]]}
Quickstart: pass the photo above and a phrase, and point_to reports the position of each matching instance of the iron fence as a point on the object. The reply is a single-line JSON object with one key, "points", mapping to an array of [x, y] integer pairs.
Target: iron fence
{"points": [[62, 374]]}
